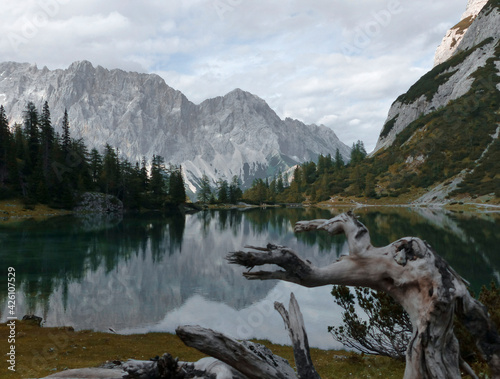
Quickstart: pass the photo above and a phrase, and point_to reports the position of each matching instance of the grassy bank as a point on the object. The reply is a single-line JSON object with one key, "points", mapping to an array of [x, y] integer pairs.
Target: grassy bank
{"points": [[44, 351], [14, 210]]}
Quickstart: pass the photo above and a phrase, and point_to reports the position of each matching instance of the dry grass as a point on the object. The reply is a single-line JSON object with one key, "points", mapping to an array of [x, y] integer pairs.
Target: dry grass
{"points": [[44, 351], [14, 210]]}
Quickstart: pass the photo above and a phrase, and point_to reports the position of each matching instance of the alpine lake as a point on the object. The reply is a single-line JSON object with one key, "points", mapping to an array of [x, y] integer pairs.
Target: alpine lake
{"points": [[138, 273]]}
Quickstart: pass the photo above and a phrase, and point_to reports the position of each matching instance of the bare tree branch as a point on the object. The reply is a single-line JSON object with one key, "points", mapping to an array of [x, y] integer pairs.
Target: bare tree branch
{"points": [[408, 270]]}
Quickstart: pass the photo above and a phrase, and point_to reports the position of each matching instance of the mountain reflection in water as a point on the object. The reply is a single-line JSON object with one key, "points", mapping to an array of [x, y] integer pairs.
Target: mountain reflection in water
{"points": [[151, 273]]}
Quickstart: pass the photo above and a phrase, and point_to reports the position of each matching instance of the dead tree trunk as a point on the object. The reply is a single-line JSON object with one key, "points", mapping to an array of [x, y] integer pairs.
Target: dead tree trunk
{"points": [[408, 270], [294, 323], [252, 360], [232, 359]]}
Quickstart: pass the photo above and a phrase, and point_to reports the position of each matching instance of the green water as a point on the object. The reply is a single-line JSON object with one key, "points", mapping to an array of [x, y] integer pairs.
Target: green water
{"points": [[151, 272]]}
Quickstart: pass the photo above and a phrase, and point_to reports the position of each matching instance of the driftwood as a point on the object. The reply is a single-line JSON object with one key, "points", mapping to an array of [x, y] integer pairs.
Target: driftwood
{"points": [[253, 360], [231, 359], [408, 270], [294, 323]]}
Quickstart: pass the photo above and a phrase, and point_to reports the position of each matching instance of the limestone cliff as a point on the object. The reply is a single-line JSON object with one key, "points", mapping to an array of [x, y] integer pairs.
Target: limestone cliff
{"points": [[454, 36], [233, 135], [449, 80]]}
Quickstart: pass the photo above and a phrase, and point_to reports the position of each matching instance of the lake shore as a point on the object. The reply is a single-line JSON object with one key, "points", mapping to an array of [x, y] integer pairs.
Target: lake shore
{"points": [[14, 210], [44, 351]]}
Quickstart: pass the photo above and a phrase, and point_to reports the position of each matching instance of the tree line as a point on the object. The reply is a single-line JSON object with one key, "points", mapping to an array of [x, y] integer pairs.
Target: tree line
{"points": [[40, 165], [317, 181], [224, 192]]}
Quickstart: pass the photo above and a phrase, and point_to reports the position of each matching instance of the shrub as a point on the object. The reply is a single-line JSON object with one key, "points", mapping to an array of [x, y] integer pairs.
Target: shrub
{"points": [[387, 330]]}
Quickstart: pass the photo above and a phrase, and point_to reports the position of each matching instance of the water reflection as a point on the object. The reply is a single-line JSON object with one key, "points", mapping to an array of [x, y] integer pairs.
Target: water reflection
{"points": [[151, 272]]}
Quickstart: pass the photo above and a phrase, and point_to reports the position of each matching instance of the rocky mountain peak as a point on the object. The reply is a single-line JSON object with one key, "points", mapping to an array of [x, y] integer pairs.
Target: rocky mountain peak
{"points": [[454, 36], [81, 66], [233, 135], [451, 79]]}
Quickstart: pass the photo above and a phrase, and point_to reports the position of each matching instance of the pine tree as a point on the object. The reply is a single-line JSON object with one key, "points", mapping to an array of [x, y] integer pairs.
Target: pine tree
{"points": [[110, 174], [358, 152], [95, 166], [31, 131], [280, 187], [131, 185], [258, 193], [177, 188], [144, 174], [66, 137], [272, 190], [205, 192], [235, 192], [47, 139], [5, 140], [339, 161], [222, 191], [297, 179], [157, 181]]}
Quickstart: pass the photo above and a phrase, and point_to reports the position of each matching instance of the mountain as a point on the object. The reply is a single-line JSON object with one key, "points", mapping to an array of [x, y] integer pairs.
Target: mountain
{"points": [[443, 134], [237, 134], [447, 81], [452, 39]]}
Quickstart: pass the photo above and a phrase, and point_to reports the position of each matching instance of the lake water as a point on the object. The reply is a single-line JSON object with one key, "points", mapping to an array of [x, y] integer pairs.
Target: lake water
{"points": [[145, 273]]}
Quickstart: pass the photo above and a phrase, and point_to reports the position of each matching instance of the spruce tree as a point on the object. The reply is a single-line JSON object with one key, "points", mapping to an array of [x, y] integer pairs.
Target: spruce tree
{"points": [[31, 121], [110, 174], [280, 187], [157, 183], [5, 139], [222, 191], [176, 186], [144, 174], [95, 167], [47, 139], [205, 192], [66, 137], [339, 161], [235, 192]]}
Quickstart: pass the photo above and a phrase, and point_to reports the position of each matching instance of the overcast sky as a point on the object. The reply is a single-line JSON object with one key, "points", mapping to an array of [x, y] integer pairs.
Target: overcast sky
{"points": [[340, 63]]}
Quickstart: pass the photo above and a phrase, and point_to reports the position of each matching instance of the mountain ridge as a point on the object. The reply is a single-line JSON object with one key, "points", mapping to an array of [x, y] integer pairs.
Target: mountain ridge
{"points": [[442, 135], [454, 36], [237, 134], [448, 81]]}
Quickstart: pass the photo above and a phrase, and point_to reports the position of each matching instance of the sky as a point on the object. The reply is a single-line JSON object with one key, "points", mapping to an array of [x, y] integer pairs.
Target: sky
{"points": [[340, 63]]}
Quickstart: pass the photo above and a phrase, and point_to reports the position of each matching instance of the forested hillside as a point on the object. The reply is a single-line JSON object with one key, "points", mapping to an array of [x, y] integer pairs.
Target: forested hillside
{"points": [[41, 166]]}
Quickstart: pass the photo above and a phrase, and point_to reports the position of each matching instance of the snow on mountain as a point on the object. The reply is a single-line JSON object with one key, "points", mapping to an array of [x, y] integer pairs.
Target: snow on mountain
{"points": [[236, 134]]}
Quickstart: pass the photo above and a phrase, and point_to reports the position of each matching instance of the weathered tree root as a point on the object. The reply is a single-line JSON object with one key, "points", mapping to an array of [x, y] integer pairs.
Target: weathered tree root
{"points": [[408, 270]]}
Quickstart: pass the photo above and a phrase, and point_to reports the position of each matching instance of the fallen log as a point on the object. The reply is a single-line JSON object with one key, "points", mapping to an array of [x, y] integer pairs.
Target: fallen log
{"points": [[253, 360], [232, 359]]}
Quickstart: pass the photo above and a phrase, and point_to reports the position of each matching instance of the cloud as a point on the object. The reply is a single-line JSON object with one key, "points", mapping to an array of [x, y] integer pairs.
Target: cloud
{"points": [[321, 62]]}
